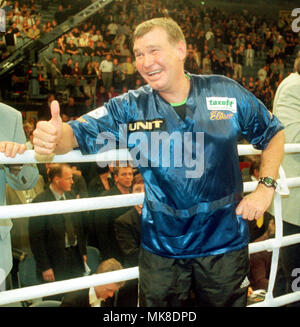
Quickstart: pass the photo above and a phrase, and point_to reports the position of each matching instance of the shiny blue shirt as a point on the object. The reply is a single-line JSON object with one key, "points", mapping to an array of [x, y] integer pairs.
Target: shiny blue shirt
{"points": [[190, 197]]}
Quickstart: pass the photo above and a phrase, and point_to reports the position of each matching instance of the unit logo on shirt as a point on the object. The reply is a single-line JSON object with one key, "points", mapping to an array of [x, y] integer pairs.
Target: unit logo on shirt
{"points": [[143, 125]]}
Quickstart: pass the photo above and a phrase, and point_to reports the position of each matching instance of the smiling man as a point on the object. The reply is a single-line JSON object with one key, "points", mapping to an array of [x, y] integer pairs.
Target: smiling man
{"points": [[194, 227]]}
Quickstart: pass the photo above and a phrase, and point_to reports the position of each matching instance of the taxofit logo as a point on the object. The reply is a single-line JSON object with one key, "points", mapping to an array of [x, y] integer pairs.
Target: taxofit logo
{"points": [[221, 104]]}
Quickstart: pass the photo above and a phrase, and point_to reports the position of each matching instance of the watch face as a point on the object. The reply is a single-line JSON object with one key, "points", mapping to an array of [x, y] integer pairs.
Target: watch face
{"points": [[268, 181]]}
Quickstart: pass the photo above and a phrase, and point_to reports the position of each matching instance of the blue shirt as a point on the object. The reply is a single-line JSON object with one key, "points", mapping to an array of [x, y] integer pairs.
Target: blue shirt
{"points": [[192, 181]]}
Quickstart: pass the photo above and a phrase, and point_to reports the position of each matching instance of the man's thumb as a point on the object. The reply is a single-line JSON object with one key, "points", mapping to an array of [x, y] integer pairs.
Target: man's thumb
{"points": [[55, 112]]}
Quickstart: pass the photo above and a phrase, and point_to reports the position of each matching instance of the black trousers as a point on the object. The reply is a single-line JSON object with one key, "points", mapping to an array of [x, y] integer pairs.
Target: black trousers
{"points": [[213, 281]]}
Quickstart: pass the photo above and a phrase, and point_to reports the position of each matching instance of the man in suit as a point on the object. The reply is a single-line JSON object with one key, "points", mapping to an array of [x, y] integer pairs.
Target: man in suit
{"points": [[101, 226], [58, 242], [96, 296], [20, 177], [286, 106], [19, 233], [128, 235]]}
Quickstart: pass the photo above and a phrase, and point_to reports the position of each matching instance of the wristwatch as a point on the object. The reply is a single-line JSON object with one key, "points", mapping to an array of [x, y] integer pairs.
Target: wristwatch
{"points": [[268, 181]]}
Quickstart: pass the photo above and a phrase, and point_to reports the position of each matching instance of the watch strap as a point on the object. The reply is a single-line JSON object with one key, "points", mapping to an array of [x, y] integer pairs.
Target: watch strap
{"points": [[268, 181]]}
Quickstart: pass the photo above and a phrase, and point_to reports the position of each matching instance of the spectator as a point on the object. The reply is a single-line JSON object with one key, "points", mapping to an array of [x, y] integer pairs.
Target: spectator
{"points": [[249, 56], [60, 15], [262, 74], [129, 72], [106, 67], [67, 69], [65, 257], [71, 48], [18, 177], [128, 235], [33, 32], [101, 226], [96, 296]]}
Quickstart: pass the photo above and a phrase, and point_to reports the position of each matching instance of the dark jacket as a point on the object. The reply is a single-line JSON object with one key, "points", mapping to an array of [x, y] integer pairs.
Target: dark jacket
{"points": [[81, 299], [102, 224], [128, 235], [47, 237]]}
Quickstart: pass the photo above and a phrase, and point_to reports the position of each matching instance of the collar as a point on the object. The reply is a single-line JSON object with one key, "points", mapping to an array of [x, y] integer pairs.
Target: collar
{"points": [[93, 300], [56, 195]]}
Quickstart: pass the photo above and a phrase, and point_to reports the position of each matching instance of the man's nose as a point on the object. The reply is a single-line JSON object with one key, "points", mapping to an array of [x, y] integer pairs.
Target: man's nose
{"points": [[148, 60]]}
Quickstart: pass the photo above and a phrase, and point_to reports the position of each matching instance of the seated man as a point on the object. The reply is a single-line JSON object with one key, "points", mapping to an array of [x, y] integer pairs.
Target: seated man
{"points": [[95, 296]]}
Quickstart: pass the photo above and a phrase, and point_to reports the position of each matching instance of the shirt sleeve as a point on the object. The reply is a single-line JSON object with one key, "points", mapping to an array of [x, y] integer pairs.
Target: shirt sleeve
{"points": [[29, 174], [258, 125], [101, 127]]}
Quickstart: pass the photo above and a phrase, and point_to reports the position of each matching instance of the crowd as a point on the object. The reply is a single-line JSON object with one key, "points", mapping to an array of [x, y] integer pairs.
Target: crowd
{"points": [[94, 62]]}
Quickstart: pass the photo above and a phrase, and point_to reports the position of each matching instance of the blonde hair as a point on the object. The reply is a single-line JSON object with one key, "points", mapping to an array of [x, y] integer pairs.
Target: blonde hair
{"points": [[173, 30], [110, 265]]}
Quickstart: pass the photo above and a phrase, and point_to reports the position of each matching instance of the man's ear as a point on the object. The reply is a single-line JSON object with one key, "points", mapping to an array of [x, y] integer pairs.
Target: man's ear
{"points": [[181, 50]]}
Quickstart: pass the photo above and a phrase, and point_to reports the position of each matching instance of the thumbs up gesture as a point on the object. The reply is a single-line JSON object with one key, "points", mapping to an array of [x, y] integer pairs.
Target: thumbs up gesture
{"points": [[48, 134]]}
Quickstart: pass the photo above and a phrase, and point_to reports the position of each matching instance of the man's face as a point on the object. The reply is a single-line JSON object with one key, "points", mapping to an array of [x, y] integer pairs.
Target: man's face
{"points": [[106, 291], [124, 177], [65, 182], [158, 61]]}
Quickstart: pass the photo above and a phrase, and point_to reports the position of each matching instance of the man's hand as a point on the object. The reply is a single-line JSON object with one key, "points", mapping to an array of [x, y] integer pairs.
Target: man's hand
{"points": [[10, 149], [48, 134], [256, 203], [48, 275]]}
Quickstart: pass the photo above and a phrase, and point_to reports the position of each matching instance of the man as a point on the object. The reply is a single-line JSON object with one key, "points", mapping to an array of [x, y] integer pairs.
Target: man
{"points": [[18, 177], [127, 228], [101, 225], [128, 234], [96, 296], [57, 241], [106, 67], [194, 221], [286, 106], [249, 55]]}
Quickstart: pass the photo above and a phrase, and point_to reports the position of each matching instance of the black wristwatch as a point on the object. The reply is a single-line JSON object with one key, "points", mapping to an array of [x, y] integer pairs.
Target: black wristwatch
{"points": [[268, 181]]}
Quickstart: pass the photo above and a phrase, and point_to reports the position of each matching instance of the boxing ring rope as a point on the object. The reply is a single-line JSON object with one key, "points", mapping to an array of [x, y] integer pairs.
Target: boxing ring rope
{"points": [[79, 205]]}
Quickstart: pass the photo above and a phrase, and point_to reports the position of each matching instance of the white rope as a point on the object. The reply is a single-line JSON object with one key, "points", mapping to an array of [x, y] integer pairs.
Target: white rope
{"points": [[113, 155], [68, 206], [74, 284], [97, 203], [79, 205]]}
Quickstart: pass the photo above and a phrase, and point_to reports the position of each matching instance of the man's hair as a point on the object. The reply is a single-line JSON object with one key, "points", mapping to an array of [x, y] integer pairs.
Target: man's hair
{"points": [[110, 265], [56, 171], [173, 30], [117, 169], [297, 65]]}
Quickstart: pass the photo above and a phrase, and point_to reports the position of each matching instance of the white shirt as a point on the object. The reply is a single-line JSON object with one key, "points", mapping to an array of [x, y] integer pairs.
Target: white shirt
{"points": [[93, 300], [106, 66]]}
